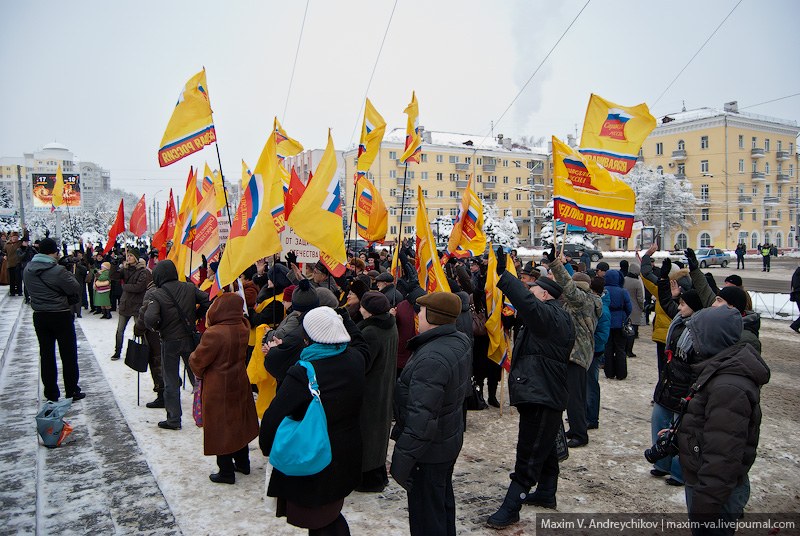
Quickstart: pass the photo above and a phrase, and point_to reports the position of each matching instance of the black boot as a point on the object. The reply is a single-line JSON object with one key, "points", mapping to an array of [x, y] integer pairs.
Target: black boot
{"points": [[493, 395], [157, 403], [508, 514]]}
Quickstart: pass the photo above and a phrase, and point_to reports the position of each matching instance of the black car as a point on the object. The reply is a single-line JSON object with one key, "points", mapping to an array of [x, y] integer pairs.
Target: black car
{"points": [[574, 251]]}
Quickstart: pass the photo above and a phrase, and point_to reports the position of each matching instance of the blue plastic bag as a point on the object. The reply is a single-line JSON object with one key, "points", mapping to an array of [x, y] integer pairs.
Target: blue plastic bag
{"points": [[50, 422], [303, 448]]}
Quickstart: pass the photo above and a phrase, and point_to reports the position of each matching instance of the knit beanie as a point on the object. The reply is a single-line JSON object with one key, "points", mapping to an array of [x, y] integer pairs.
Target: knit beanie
{"points": [[359, 288], [375, 303], [304, 298], [277, 274], [324, 326], [692, 299], [105, 265], [734, 279], [287, 293], [441, 307], [213, 266], [133, 251], [327, 298], [598, 285], [550, 286], [603, 266], [735, 297], [48, 246]]}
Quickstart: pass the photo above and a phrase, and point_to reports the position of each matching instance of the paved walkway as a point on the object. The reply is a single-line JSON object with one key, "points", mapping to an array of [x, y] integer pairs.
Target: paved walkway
{"points": [[98, 481]]}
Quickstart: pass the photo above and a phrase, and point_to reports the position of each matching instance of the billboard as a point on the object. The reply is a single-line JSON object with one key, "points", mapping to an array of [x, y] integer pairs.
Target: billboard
{"points": [[43, 184]]}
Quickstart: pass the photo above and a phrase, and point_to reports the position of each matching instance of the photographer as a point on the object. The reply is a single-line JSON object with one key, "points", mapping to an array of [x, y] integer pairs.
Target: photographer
{"points": [[133, 279]]}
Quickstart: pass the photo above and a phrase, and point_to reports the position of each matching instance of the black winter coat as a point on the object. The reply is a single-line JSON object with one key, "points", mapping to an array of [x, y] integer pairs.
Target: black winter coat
{"points": [[795, 291], [539, 362], [464, 320], [719, 433], [428, 401], [134, 282], [341, 386], [272, 313], [392, 294], [677, 376], [49, 284], [161, 314]]}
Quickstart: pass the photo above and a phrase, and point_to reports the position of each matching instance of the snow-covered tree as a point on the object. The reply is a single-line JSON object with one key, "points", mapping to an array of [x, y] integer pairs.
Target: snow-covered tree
{"points": [[662, 199], [573, 237], [500, 230], [7, 201], [442, 227]]}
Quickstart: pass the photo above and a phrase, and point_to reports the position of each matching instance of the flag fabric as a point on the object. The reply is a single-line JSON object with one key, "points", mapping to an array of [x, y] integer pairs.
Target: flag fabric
{"points": [[395, 268], [413, 139], [317, 217], [498, 339], [252, 235], [613, 134], [57, 199], [278, 146], [184, 226], [220, 193], [138, 221], [587, 195], [166, 230], [467, 238], [213, 182], [372, 131], [191, 126], [117, 228], [205, 234], [294, 193], [429, 269], [372, 219]]}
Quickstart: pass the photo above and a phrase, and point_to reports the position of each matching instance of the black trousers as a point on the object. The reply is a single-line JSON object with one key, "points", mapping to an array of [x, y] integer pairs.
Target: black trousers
{"points": [[60, 327], [431, 503], [616, 358], [14, 280], [766, 261], [536, 445], [739, 260], [576, 403], [225, 461]]}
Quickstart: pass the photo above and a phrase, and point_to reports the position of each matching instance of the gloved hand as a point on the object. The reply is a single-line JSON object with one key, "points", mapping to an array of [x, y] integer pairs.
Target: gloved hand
{"points": [[692, 259], [666, 266], [291, 258], [205, 261], [551, 256], [501, 260], [402, 257]]}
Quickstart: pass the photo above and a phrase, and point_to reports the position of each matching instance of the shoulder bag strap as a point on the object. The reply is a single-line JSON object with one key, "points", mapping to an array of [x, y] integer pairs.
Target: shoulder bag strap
{"points": [[186, 323]]}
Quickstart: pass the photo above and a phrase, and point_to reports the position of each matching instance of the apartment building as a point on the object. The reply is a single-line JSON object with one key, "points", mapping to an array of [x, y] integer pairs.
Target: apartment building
{"points": [[506, 175], [744, 172]]}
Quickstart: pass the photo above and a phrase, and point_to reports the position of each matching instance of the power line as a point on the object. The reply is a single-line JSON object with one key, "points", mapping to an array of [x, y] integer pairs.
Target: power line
{"points": [[695, 54], [294, 66], [769, 101]]}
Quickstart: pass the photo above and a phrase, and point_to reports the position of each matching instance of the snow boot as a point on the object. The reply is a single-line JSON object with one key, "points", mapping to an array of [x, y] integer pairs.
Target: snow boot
{"points": [[508, 514], [157, 403], [545, 494]]}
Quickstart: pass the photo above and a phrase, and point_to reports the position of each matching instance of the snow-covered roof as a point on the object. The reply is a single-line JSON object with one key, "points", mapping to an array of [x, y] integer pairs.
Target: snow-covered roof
{"points": [[480, 142], [54, 145], [707, 113]]}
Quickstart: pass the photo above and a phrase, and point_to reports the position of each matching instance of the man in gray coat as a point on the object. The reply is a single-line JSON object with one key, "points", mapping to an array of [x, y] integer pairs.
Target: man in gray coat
{"points": [[50, 286]]}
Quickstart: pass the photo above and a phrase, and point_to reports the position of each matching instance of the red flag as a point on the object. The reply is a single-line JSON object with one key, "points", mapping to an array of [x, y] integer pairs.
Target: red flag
{"points": [[166, 230], [117, 229], [296, 189], [138, 221]]}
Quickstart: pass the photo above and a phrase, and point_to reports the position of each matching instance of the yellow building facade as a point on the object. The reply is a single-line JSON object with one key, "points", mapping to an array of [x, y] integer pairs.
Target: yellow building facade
{"points": [[505, 175], [744, 173]]}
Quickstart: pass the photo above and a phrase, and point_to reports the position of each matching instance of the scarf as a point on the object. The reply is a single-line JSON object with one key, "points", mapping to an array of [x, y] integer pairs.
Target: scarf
{"points": [[318, 350]]}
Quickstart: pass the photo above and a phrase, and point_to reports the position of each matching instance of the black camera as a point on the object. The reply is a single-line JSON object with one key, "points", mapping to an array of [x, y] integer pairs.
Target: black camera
{"points": [[666, 445]]}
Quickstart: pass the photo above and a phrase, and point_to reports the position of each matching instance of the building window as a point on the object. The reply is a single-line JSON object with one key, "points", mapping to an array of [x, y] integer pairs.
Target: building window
{"points": [[791, 148], [409, 211], [453, 212], [492, 178], [791, 170], [409, 229], [423, 175], [440, 176], [755, 167], [704, 214], [480, 195], [703, 166], [453, 177], [681, 169], [392, 155], [780, 145], [681, 145], [453, 195], [519, 212], [741, 141], [393, 230], [468, 160], [519, 197], [741, 214], [439, 193], [755, 218], [505, 180], [779, 216], [659, 149], [660, 170], [392, 211], [704, 192], [741, 166], [392, 192], [505, 163], [392, 173], [767, 190], [409, 175], [705, 240], [439, 158], [479, 178], [505, 196], [754, 238], [766, 168], [766, 144], [423, 157], [704, 142], [453, 159], [478, 161], [755, 190], [741, 189], [519, 180], [755, 142], [425, 194], [682, 239]]}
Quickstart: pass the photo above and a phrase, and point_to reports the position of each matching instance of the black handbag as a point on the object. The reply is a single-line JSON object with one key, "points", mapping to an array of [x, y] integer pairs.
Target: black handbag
{"points": [[137, 355], [475, 401], [562, 450]]}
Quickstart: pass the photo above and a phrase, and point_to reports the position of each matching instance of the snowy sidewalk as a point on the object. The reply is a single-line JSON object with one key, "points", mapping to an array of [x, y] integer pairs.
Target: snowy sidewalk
{"points": [[98, 481]]}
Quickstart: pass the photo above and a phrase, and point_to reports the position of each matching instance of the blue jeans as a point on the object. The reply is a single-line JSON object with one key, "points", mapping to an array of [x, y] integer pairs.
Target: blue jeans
{"points": [[731, 511], [593, 389], [661, 419]]}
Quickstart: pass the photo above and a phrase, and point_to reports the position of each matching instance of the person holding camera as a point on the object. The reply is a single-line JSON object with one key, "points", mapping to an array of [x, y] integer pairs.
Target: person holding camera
{"points": [[134, 279], [53, 291]]}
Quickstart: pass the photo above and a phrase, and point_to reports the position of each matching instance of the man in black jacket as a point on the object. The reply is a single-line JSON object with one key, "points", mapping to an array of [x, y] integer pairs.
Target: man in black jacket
{"points": [[538, 388], [429, 426], [177, 342], [50, 286]]}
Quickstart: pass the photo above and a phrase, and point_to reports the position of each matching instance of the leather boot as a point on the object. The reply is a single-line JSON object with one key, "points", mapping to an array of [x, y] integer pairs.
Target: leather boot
{"points": [[157, 403], [545, 494], [508, 514]]}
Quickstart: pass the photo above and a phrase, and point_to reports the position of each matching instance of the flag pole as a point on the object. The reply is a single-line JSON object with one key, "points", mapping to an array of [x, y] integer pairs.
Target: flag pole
{"points": [[403, 204], [352, 210], [564, 238], [224, 190]]}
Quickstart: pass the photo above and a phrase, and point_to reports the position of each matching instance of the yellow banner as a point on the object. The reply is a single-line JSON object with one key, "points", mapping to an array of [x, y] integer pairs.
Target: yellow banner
{"points": [[191, 126], [429, 269], [468, 238]]}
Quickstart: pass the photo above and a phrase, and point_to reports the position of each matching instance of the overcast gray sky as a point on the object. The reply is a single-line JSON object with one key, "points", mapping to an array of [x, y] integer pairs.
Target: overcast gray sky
{"points": [[102, 78]]}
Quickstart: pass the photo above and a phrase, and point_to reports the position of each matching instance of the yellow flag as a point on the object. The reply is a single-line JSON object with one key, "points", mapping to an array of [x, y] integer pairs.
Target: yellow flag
{"points": [[278, 146], [317, 217], [429, 269], [587, 195], [613, 134], [371, 136], [191, 126], [413, 139], [58, 191], [372, 220], [468, 238], [184, 227], [498, 340]]}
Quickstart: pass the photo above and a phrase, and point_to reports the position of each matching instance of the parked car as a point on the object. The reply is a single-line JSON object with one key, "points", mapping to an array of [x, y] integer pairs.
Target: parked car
{"points": [[574, 251], [710, 256]]}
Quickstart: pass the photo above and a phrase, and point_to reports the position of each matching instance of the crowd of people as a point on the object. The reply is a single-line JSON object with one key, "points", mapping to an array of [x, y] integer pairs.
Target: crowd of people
{"points": [[394, 362]]}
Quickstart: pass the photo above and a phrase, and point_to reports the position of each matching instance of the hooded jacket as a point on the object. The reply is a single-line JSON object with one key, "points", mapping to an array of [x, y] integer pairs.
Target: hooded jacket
{"points": [[585, 309], [603, 329], [621, 306], [635, 289], [719, 432], [161, 314], [49, 284]]}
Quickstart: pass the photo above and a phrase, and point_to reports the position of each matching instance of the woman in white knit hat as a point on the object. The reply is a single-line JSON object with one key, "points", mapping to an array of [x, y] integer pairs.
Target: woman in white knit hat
{"points": [[338, 351]]}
